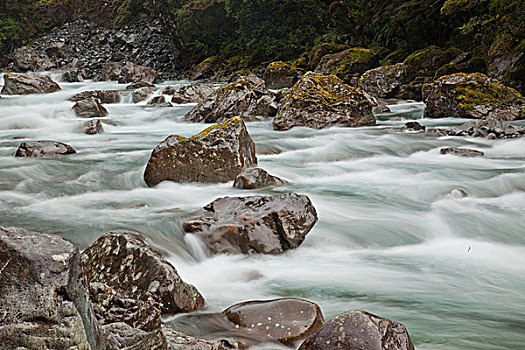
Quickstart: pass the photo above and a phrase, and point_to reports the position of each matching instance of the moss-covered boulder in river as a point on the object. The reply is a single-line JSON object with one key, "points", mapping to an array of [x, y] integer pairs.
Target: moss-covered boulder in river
{"points": [[216, 154], [280, 75], [472, 95], [320, 101]]}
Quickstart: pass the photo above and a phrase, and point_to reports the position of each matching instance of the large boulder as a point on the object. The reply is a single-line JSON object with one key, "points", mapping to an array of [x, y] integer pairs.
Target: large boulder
{"points": [[44, 302], [247, 97], [280, 75], [191, 93], [255, 178], [105, 96], [43, 149], [359, 330], [286, 320], [254, 224], [319, 101], [90, 108], [383, 81], [25, 84], [319, 51], [216, 154], [348, 64], [126, 263], [472, 96]]}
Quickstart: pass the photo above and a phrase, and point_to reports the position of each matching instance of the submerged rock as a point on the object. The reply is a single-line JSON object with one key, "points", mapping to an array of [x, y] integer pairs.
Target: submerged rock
{"points": [[280, 75], [191, 93], [348, 64], [319, 101], [253, 225], [216, 154], [126, 263], [247, 98], [90, 108], [92, 127], [105, 96], [255, 178], [359, 330], [472, 96], [43, 149], [463, 152], [286, 320], [25, 84], [44, 303]]}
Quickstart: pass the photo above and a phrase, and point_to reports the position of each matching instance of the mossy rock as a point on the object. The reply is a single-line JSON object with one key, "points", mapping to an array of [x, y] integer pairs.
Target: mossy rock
{"points": [[349, 63], [506, 62], [463, 63], [424, 63], [280, 75], [318, 51], [319, 101], [473, 95]]}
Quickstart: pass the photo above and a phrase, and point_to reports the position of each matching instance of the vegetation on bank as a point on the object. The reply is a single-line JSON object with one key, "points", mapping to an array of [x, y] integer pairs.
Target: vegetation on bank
{"points": [[270, 30]]}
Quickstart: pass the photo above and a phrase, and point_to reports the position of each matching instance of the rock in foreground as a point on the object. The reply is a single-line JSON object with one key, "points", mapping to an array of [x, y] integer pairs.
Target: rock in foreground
{"points": [[44, 303], [216, 154], [253, 225], [320, 101], [125, 262], [359, 330], [40, 149], [25, 84], [472, 96], [247, 97], [255, 178], [286, 320]]}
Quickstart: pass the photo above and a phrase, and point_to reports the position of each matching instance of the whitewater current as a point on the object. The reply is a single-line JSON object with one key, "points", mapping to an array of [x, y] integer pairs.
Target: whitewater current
{"points": [[395, 236]]}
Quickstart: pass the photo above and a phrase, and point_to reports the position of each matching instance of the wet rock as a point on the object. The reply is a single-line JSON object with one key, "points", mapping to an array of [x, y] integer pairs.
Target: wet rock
{"points": [[125, 337], [348, 64], [168, 90], [142, 93], [359, 330], [319, 101], [44, 303], [90, 108], [286, 320], [413, 126], [43, 149], [92, 127], [105, 96], [132, 72], [157, 100], [246, 97], [380, 109], [126, 263], [253, 225], [216, 154], [489, 128], [463, 152], [255, 178], [139, 84], [280, 75], [24, 84], [472, 96], [192, 93], [59, 50]]}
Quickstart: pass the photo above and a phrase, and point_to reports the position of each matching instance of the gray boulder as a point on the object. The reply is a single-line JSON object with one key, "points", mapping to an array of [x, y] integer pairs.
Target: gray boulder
{"points": [[359, 330], [383, 81], [255, 178], [142, 93], [25, 84], [191, 93], [280, 75], [216, 154], [43, 149], [253, 225], [90, 108], [105, 96]]}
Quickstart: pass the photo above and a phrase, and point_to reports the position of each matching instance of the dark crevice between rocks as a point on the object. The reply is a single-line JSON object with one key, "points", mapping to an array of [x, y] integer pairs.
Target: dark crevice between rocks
{"points": [[279, 229]]}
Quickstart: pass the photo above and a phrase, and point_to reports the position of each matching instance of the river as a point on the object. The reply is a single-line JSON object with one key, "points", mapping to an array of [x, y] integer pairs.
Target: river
{"points": [[395, 236]]}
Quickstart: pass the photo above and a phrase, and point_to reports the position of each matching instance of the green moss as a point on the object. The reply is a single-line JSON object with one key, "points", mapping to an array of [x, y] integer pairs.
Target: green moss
{"points": [[281, 68], [213, 131], [318, 51]]}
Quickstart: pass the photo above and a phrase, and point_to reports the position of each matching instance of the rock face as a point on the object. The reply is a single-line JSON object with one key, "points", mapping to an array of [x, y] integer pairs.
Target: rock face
{"points": [[319, 101], [90, 108], [25, 84], [126, 263], [44, 302], [191, 93], [359, 330], [92, 127], [43, 149], [105, 96], [246, 97], [286, 320], [253, 225], [216, 154], [472, 96], [255, 178], [383, 81], [280, 75], [463, 152], [348, 64]]}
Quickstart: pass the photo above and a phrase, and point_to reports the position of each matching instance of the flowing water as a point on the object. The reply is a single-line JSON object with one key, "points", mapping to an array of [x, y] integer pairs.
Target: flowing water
{"points": [[395, 236]]}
